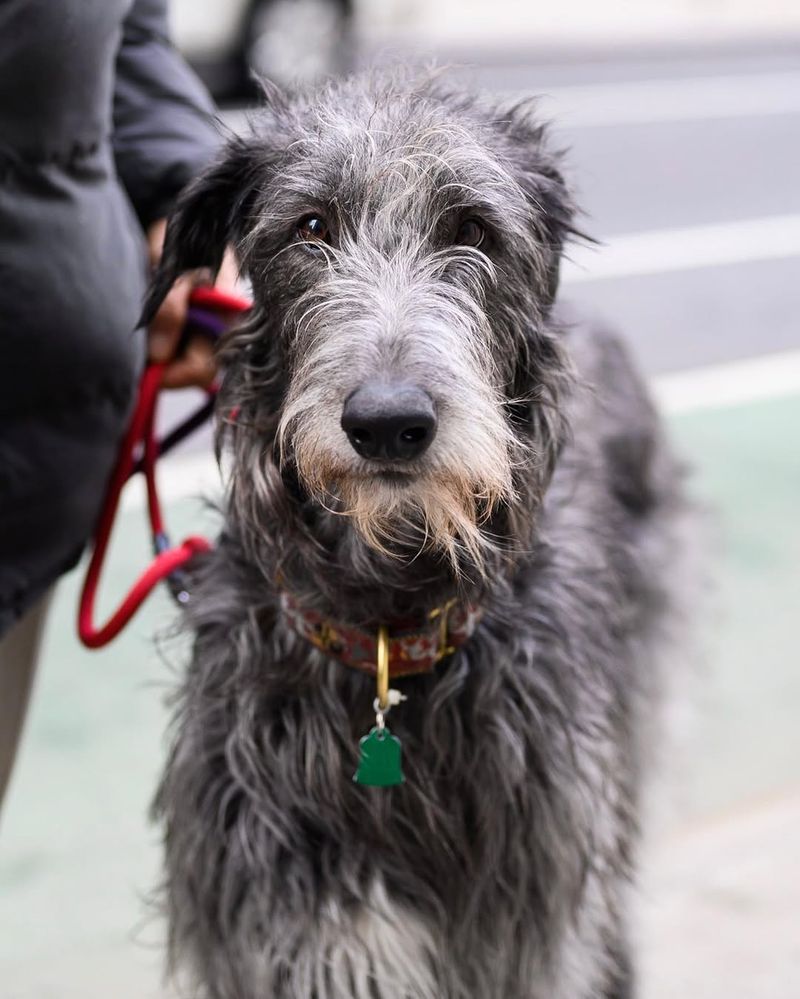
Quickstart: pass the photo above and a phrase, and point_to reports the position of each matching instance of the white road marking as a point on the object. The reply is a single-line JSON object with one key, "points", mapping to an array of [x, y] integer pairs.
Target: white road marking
{"points": [[753, 379], [639, 102], [733, 383], [662, 250]]}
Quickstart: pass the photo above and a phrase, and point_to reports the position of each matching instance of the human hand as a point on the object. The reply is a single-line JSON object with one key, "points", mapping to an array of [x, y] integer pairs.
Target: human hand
{"points": [[196, 364]]}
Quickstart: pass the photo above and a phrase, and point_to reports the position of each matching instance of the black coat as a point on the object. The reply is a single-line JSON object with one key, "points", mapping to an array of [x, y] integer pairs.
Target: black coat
{"points": [[101, 124]]}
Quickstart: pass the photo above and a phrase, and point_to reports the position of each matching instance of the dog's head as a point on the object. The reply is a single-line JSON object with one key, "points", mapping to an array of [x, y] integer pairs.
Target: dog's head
{"points": [[403, 242]]}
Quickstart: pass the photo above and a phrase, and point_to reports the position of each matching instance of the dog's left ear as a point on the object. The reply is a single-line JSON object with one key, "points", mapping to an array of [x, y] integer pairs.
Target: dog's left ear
{"points": [[537, 169], [209, 214]]}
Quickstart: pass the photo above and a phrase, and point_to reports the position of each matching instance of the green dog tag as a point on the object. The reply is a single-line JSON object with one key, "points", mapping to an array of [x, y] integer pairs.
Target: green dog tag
{"points": [[380, 764]]}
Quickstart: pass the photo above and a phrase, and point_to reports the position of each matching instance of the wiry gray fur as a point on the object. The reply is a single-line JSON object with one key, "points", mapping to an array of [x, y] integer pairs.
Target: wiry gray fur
{"points": [[500, 869]]}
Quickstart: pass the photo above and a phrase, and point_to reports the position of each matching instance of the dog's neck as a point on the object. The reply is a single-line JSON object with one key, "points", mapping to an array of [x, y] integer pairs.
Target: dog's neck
{"points": [[320, 559], [333, 571]]}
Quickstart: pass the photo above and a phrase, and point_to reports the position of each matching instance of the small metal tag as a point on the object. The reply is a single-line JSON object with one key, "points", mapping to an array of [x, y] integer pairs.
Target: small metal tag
{"points": [[380, 764]]}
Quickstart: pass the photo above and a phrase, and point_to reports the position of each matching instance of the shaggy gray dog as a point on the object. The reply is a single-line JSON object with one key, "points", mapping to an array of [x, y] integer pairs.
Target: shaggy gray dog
{"points": [[413, 434]]}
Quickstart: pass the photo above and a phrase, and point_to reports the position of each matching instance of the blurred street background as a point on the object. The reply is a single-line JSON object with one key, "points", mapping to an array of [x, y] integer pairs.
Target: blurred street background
{"points": [[683, 122]]}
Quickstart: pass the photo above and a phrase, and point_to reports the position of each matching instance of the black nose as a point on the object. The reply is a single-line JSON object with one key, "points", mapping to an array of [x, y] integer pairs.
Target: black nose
{"points": [[389, 422]]}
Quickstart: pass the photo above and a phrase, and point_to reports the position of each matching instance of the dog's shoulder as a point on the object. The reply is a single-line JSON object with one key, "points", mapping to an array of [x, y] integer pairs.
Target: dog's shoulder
{"points": [[612, 413]]}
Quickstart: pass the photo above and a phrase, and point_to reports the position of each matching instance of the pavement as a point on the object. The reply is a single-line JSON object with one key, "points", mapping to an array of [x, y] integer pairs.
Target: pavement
{"points": [[717, 332]]}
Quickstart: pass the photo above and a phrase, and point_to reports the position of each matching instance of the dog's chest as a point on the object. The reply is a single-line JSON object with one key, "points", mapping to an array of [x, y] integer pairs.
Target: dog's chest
{"points": [[475, 755]]}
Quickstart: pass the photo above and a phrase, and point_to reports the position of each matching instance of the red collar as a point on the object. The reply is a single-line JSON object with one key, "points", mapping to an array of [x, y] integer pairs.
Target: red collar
{"points": [[413, 650]]}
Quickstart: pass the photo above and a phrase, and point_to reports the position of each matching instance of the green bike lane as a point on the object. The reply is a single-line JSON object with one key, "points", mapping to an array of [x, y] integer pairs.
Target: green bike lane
{"points": [[78, 857]]}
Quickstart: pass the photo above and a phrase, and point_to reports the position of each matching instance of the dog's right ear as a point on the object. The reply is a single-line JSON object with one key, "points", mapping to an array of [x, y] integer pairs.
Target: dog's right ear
{"points": [[211, 212]]}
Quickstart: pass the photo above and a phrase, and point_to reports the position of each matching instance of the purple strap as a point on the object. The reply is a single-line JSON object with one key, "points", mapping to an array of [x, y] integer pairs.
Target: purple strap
{"points": [[206, 321]]}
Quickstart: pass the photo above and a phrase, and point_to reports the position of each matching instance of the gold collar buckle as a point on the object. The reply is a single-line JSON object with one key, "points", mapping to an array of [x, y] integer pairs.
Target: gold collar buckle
{"points": [[442, 613]]}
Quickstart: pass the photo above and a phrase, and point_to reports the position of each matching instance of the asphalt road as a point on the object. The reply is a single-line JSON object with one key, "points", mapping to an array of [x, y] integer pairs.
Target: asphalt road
{"points": [[668, 141]]}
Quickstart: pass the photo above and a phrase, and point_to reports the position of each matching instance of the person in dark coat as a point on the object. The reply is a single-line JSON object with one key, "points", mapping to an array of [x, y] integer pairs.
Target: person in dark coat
{"points": [[101, 125]]}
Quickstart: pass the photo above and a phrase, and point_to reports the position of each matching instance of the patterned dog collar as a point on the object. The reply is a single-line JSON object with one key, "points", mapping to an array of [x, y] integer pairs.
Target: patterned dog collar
{"points": [[413, 650]]}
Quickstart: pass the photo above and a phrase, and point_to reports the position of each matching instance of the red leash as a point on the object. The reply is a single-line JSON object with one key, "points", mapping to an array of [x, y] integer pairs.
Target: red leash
{"points": [[206, 305]]}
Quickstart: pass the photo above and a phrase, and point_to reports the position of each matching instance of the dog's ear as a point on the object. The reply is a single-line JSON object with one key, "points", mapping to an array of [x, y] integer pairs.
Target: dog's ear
{"points": [[210, 213], [537, 169]]}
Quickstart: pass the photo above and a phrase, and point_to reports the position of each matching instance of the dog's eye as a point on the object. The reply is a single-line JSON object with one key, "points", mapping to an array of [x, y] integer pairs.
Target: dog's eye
{"points": [[314, 229], [470, 233]]}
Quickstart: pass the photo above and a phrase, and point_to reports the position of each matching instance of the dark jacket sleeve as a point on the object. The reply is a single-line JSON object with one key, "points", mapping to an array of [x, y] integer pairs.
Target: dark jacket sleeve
{"points": [[164, 131]]}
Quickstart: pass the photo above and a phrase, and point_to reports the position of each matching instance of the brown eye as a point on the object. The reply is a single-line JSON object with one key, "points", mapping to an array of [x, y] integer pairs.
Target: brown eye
{"points": [[470, 233], [313, 228]]}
